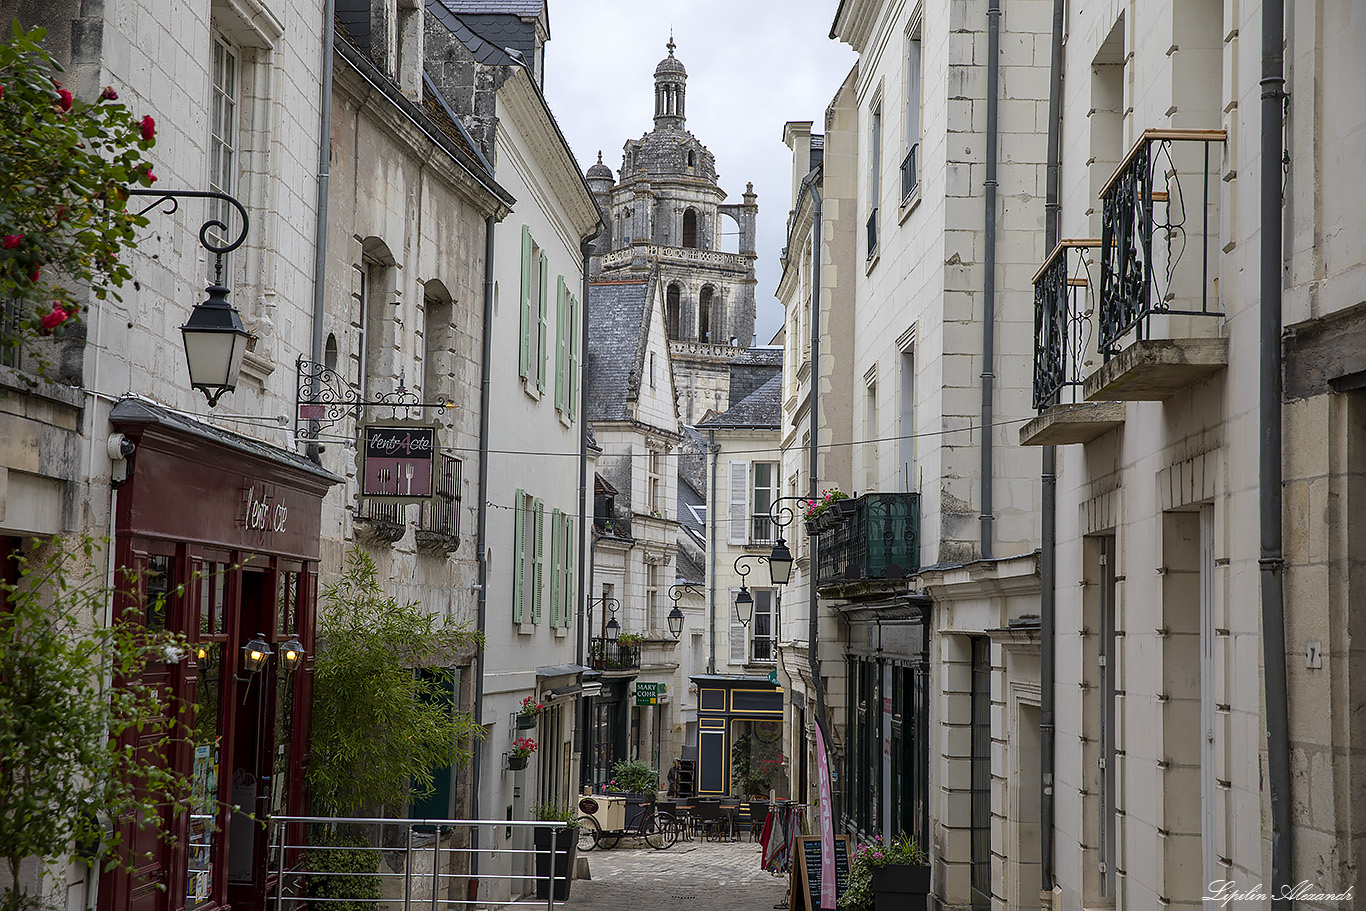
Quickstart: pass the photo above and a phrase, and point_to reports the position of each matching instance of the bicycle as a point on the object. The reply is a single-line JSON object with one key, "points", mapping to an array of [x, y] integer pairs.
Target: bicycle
{"points": [[660, 829]]}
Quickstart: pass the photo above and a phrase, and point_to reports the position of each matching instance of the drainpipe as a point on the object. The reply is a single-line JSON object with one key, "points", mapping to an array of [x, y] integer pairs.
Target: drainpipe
{"points": [[712, 512], [989, 272], [1269, 453], [813, 491], [482, 525], [585, 586], [314, 451], [1048, 482]]}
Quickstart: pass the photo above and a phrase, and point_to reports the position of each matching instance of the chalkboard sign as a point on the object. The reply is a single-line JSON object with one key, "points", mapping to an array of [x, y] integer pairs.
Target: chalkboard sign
{"points": [[806, 874]]}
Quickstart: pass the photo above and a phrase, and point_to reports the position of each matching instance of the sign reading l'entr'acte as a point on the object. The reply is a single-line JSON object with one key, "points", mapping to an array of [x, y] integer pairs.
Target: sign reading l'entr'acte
{"points": [[399, 460]]}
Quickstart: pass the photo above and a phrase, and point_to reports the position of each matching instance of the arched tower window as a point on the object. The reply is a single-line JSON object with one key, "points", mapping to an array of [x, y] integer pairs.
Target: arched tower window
{"points": [[704, 314], [690, 228], [673, 311], [692, 158]]}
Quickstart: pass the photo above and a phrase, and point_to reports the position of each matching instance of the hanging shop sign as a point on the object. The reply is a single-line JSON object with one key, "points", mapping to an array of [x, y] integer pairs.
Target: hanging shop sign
{"points": [[650, 693], [398, 461]]}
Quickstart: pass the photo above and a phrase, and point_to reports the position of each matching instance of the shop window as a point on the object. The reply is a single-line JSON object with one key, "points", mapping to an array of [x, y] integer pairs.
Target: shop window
{"points": [[159, 581], [287, 603], [204, 806], [757, 764]]}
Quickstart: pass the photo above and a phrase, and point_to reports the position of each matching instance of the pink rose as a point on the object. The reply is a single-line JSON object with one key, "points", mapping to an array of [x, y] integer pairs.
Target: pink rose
{"points": [[148, 177], [149, 128], [109, 94], [54, 319], [11, 241], [64, 99]]}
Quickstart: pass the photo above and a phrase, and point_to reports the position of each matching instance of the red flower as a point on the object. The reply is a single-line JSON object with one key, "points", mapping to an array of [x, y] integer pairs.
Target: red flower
{"points": [[33, 276], [148, 176], [109, 94], [2, 91], [149, 128], [54, 319], [64, 99], [10, 241]]}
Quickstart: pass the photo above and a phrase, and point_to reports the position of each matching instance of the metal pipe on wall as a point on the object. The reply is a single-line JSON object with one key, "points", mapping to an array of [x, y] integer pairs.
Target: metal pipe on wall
{"points": [[313, 450], [989, 274], [1272, 561]]}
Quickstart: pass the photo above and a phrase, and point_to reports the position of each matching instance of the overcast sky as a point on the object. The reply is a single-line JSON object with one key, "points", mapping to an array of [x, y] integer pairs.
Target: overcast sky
{"points": [[753, 65]]}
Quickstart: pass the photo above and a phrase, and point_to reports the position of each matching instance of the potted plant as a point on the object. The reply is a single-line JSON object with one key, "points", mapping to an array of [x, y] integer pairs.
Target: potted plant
{"points": [[637, 782], [627, 648], [888, 877], [825, 511], [563, 830], [522, 748], [526, 716]]}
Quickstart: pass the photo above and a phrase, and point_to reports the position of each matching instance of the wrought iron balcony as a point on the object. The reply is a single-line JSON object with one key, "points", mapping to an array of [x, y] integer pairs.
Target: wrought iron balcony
{"points": [[1064, 329], [439, 527], [609, 655], [910, 174], [875, 540], [1158, 276], [872, 234]]}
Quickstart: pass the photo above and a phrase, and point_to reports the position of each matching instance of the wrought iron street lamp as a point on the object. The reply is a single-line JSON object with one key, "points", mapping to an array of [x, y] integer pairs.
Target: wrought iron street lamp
{"points": [[215, 339], [676, 615], [613, 628]]}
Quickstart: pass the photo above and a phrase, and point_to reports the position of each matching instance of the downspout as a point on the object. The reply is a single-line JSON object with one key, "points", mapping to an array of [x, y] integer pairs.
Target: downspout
{"points": [[989, 272], [482, 524], [314, 451], [813, 486], [1048, 482], [585, 577], [712, 512], [1269, 455]]}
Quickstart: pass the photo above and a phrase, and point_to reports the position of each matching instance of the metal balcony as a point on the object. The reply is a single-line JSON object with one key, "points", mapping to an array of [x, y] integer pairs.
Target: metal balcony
{"points": [[875, 541], [872, 234], [608, 655], [1158, 328], [1065, 352], [910, 175]]}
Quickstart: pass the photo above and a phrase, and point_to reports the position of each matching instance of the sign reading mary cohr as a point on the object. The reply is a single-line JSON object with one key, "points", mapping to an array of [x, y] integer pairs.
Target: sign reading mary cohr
{"points": [[400, 460]]}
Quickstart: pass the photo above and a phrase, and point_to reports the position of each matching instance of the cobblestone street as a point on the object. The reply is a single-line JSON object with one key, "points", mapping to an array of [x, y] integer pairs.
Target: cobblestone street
{"points": [[691, 875]]}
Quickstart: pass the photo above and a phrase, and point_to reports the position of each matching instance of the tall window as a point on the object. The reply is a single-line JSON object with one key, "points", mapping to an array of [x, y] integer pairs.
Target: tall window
{"points": [[870, 438], [765, 477], [704, 315], [438, 343], [910, 165], [905, 430], [223, 133], [535, 285], [652, 473], [690, 228], [527, 557], [654, 619], [874, 172], [673, 310], [764, 638]]}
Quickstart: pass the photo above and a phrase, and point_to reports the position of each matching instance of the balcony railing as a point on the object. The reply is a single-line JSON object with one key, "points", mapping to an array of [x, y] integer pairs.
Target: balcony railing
{"points": [[440, 521], [910, 175], [1064, 329], [609, 655], [761, 529], [1158, 242], [872, 234], [878, 539]]}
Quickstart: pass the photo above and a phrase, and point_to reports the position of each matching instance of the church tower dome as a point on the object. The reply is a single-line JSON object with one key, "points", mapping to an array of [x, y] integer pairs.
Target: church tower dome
{"points": [[671, 84]]}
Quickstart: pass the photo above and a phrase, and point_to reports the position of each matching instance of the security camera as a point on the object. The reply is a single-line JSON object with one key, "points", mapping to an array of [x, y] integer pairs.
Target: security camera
{"points": [[120, 447]]}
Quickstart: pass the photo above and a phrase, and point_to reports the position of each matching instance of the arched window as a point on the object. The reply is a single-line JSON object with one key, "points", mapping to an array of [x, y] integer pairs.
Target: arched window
{"points": [[690, 228], [704, 301], [438, 356], [673, 311], [330, 352], [692, 158]]}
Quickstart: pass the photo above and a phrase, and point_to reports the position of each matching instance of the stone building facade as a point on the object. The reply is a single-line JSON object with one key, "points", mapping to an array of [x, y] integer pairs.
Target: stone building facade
{"points": [[666, 210]]}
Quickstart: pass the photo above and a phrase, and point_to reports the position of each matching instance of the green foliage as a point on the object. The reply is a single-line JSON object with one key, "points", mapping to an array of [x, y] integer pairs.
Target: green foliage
{"points": [[65, 759], [343, 854], [66, 162], [378, 727], [629, 639], [871, 856], [633, 776], [549, 812]]}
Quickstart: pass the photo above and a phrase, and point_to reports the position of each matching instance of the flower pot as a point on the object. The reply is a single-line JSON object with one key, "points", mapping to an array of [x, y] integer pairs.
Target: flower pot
{"points": [[517, 763], [846, 507], [813, 527], [566, 849], [901, 887], [526, 722]]}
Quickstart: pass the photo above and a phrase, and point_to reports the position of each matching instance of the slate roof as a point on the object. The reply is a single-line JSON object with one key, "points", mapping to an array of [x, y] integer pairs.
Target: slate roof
{"points": [[686, 569], [618, 318], [484, 52], [689, 496], [495, 7], [761, 355], [761, 409]]}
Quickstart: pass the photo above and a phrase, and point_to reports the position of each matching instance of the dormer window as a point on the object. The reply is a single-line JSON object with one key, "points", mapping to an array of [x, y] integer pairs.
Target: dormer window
{"points": [[692, 158]]}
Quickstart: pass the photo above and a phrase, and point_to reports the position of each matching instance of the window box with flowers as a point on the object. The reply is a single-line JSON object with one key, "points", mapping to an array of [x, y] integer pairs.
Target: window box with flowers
{"points": [[825, 511], [522, 748], [888, 877], [528, 713]]}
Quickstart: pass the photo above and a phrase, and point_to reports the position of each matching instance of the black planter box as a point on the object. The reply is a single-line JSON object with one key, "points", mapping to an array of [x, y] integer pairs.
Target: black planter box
{"points": [[566, 850], [901, 887]]}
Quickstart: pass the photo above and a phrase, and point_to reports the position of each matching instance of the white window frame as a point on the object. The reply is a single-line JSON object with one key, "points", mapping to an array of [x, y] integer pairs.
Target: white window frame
{"points": [[225, 129], [914, 91], [760, 518]]}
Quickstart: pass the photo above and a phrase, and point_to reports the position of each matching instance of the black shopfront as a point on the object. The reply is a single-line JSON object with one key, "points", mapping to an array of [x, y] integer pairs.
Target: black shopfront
{"points": [[885, 786]]}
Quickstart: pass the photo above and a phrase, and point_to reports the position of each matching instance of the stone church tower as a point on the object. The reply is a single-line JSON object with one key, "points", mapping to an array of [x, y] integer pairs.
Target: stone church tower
{"points": [[667, 213]]}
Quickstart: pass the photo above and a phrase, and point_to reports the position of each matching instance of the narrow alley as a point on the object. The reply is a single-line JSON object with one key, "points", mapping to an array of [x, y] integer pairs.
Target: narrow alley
{"points": [[692, 875]]}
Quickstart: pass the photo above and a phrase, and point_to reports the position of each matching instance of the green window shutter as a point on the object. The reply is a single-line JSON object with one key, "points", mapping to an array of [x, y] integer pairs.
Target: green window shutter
{"points": [[518, 533], [526, 302], [540, 338], [555, 581], [537, 573], [574, 334], [561, 339], [570, 554]]}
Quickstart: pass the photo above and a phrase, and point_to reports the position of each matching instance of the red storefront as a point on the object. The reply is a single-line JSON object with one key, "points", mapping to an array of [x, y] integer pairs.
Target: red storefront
{"points": [[227, 530]]}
